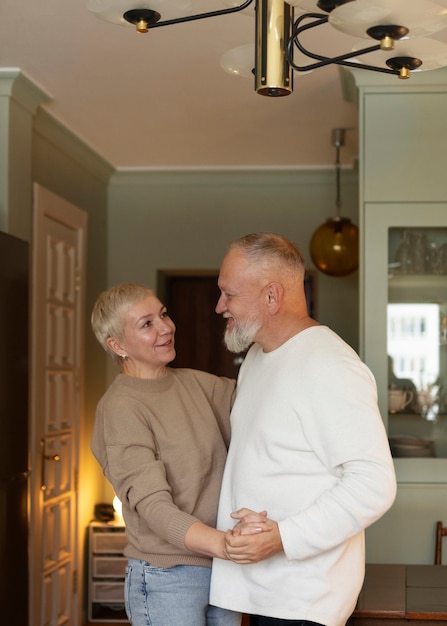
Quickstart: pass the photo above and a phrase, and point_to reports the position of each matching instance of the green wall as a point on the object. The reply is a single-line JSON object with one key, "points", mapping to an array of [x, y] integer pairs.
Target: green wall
{"points": [[185, 219]]}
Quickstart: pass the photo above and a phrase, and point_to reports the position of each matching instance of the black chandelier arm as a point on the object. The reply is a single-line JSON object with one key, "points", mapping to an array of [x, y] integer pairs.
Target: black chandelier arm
{"points": [[201, 16], [366, 66], [318, 19], [322, 61], [342, 61], [339, 60]]}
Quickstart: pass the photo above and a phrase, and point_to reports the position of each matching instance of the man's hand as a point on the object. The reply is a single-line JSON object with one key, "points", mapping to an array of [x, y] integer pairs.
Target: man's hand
{"points": [[254, 538]]}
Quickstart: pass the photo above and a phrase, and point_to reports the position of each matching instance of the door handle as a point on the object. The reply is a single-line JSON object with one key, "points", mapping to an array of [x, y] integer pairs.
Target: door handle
{"points": [[45, 457]]}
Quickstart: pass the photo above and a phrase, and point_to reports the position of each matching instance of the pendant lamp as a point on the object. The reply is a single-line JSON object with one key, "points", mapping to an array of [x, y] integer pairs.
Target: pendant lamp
{"points": [[334, 246]]}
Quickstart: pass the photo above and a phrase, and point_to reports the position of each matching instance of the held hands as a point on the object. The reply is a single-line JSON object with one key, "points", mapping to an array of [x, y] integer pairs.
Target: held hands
{"points": [[250, 522], [255, 537]]}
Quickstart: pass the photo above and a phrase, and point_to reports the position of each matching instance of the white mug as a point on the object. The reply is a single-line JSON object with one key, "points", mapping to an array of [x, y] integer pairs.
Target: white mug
{"points": [[398, 399]]}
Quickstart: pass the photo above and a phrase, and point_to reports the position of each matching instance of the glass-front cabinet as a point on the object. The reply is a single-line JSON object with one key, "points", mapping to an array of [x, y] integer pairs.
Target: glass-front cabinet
{"points": [[417, 341], [405, 323], [403, 296]]}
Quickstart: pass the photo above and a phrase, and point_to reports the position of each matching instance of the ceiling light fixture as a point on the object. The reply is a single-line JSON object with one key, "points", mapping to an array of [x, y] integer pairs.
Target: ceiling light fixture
{"points": [[390, 27], [334, 246]]}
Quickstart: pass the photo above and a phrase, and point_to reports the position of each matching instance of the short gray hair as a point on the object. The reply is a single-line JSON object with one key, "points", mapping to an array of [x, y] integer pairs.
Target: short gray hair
{"points": [[270, 249]]}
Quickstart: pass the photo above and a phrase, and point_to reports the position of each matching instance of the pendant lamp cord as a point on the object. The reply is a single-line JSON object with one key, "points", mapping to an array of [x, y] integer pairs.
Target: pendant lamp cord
{"points": [[338, 140]]}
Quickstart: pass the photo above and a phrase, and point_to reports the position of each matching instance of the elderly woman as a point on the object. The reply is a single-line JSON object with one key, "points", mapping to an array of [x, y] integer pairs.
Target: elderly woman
{"points": [[161, 436]]}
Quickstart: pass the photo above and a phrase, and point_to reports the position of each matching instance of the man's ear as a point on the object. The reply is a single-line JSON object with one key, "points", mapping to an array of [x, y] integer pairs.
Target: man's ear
{"points": [[275, 294]]}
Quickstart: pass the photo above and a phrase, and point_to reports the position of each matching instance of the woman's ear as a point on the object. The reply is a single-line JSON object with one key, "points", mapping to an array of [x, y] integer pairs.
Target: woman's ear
{"points": [[115, 346]]}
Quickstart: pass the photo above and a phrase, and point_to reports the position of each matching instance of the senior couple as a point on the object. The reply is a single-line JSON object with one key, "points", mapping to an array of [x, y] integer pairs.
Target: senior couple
{"points": [[280, 511]]}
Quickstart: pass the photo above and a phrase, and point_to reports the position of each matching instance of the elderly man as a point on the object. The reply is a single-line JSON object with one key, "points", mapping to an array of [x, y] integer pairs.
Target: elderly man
{"points": [[308, 446]]}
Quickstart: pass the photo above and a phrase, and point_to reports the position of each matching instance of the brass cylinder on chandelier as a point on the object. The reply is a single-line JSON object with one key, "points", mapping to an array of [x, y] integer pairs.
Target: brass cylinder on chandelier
{"points": [[273, 74]]}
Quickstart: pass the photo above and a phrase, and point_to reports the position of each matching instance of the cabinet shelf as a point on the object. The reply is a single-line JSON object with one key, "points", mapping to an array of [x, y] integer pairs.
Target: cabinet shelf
{"points": [[431, 288], [106, 572]]}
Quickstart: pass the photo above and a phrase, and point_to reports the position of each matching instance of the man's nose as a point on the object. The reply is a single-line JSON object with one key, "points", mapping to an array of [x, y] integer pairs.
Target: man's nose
{"points": [[220, 306]]}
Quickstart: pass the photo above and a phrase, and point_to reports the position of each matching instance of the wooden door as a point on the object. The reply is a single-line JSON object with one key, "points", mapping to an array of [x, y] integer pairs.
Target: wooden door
{"points": [[59, 257]]}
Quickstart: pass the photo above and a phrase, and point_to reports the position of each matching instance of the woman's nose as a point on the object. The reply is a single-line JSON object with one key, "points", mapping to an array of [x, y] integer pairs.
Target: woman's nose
{"points": [[166, 326]]}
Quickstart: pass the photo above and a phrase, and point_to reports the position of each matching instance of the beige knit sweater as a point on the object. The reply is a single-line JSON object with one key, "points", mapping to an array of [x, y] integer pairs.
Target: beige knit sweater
{"points": [[162, 444]]}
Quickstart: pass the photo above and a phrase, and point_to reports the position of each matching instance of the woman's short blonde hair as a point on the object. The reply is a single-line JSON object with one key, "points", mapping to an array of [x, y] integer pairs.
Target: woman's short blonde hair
{"points": [[107, 315]]}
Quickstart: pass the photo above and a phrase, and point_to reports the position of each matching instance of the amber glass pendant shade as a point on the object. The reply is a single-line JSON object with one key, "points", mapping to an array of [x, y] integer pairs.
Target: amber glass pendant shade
{"points": [[334, 247]]}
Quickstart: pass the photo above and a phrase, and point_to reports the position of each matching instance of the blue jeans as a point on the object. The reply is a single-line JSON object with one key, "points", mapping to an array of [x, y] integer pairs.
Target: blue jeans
{"points": [[175, 596]]}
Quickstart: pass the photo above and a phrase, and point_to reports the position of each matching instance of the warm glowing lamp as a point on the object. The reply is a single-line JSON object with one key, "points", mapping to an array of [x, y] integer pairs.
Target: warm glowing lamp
{"points": [[118, 507], [334, 247]]}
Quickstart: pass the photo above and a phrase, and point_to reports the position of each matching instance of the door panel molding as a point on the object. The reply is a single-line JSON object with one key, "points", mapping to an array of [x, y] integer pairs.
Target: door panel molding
{"points": [[57, 351]]}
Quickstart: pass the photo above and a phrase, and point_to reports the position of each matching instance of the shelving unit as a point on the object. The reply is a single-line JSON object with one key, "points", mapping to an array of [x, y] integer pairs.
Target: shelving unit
{"points": [[106, 572]]}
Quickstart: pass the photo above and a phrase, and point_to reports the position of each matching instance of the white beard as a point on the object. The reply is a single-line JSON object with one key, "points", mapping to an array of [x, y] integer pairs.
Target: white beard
{"points": [[240, 337]]}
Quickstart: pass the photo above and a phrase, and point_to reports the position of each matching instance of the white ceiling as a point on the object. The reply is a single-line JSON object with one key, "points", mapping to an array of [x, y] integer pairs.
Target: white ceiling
{"points": [[161, 99]]}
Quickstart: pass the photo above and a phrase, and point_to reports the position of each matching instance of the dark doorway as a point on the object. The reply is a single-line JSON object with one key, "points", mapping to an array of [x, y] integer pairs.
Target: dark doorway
{"points": [[191, 297], [14, 449]]}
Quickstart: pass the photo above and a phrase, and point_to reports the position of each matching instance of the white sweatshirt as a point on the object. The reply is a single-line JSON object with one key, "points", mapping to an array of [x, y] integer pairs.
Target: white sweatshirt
{"points": [[308, 445]]}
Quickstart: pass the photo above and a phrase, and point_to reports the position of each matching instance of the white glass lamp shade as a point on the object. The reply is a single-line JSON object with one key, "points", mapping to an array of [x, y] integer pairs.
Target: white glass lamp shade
{"points": [[239, 61], [431, 52], [311, 6], [113, 10], [421, 17]]}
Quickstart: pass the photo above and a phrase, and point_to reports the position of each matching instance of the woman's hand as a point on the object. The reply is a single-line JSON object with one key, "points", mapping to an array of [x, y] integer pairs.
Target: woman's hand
{"points": [[252, 548], [250, 522], [254, 538], [208, 541]]}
